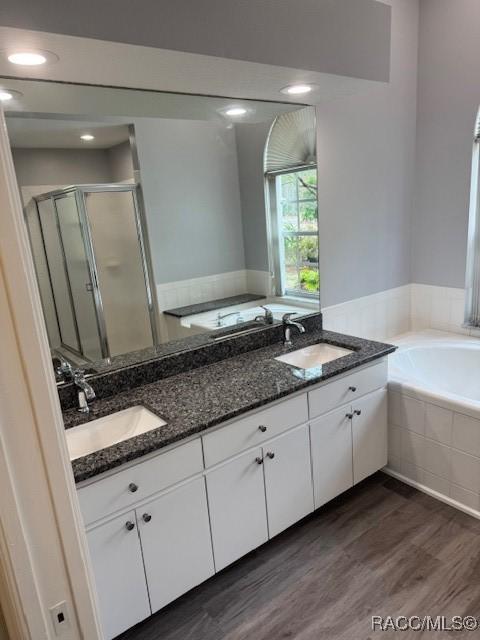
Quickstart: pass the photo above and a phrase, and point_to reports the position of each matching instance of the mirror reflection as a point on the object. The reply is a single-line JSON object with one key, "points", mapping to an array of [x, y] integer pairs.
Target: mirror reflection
{"points": [[154, 218]]}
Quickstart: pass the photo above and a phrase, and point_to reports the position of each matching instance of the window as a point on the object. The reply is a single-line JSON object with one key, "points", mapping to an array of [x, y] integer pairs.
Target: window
{"points": [[297, 233], [472, 285], [290, 167]]}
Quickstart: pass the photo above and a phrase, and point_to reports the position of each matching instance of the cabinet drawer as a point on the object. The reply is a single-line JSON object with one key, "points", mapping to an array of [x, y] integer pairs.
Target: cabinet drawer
{"points": [[254, 429], [337, 392], [114, 492]]}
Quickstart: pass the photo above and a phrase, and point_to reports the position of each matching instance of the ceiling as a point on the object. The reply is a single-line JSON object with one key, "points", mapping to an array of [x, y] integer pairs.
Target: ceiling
{"points": [[84, 102], [44, 133], [98, 62]]}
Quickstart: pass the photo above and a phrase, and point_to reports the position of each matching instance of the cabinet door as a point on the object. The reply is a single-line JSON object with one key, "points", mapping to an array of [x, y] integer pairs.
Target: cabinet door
{"points": [[119, 574], [236, 497], [331, 442], [176, 542], [369, 427], [288, 479]]}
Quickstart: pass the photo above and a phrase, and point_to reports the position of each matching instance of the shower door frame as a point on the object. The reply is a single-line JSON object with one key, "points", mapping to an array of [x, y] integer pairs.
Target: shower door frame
{"points": [[80, 192]]}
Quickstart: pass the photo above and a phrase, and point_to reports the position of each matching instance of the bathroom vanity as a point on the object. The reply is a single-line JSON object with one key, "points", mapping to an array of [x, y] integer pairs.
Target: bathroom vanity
{"points": [[197, 431], [160, 523]]}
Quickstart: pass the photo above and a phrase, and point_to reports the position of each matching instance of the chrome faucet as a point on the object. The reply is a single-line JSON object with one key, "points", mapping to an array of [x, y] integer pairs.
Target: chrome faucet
{"points": [[267, 318], [85, 391], [226, 315], [287, 328], [65, 369]]}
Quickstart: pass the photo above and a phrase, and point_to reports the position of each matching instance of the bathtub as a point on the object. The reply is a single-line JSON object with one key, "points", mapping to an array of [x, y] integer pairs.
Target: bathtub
{"points": [[434, 416]]}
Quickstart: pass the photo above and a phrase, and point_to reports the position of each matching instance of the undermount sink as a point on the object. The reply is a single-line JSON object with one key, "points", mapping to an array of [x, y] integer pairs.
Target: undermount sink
{"points": [[314, 356], [104, 432]]}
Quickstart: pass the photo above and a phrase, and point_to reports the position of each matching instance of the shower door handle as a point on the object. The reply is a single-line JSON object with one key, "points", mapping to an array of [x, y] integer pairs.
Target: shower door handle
{"points": [[89, 286]]}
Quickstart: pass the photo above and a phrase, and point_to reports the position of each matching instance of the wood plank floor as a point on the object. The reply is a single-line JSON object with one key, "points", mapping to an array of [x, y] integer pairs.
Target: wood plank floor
{"points": [[382, 548]]}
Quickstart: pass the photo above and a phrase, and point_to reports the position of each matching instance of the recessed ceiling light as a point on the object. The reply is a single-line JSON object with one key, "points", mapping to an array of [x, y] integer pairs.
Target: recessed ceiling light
{"points": [[87, 137], [236, 111], [30, 57], [297, 89], [8, 94]]}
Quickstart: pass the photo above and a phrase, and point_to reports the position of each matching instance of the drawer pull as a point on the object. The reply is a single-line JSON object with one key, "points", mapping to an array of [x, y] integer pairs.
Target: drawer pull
{"points": [[259, 460], [270, 454], [353, 389], [358, 412], [146, 517], [132, 487], [349, 415], [262, 428], [129, 525]]}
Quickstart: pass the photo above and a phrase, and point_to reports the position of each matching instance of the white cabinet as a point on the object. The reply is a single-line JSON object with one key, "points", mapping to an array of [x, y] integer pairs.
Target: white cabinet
{"points": [[176, 542], [345, 390], [254, 429], [236, 497], [369, 428], [124, 489], [119, 575], [331, 442], [288, 479], [272, 484], [348, 445], [187, 513]]}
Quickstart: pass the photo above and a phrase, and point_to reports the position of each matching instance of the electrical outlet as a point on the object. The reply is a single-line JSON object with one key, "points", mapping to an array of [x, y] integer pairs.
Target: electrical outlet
{"points": [[60, 618]]}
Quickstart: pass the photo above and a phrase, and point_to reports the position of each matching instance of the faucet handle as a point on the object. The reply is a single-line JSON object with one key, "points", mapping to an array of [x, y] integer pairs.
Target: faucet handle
{"points": [[286, 316]]}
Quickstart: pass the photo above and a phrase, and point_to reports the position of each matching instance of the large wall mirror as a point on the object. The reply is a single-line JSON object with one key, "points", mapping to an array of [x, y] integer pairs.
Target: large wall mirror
{"points": [[157, 218]]}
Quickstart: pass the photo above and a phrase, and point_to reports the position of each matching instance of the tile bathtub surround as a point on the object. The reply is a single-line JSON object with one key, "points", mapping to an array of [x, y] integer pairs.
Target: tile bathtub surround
{"points": [[197, 399], [144, 367], [412, 307], [377, 317], [171, 295], [438, 308], [435, 447]]}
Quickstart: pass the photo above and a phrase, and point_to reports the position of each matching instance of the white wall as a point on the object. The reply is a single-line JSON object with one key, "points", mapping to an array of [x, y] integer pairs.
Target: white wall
{"points": [[189, 179], [61, 166], [120, 160], [366, 154], [251, 140], [448, 101]]}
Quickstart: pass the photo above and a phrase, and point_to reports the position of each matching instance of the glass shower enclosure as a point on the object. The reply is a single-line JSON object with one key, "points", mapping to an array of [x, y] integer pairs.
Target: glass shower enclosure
{"points": [[93, 270]]}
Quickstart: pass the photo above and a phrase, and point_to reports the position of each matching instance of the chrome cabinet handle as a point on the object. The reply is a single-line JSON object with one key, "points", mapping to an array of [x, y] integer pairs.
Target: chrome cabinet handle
{"points": [[358, 412], [129, 525], [259, 460], [262, 428], [132, 487], [353, 389], [349, 415], [270, 454], [146, 517]]}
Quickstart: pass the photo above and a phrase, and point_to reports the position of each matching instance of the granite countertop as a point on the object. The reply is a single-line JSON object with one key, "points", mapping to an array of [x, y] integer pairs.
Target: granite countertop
{"points": [[213, 305], [195, 400]]}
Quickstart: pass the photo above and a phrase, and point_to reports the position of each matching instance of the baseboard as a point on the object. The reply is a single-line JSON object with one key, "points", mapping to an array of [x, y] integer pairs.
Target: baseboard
{"points": [[432, 493]]}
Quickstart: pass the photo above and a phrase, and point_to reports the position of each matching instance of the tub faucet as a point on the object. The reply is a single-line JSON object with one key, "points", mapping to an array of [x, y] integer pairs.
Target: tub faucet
{"points": [[226, 315], [85, 391], [267, 318], [287, 328]]}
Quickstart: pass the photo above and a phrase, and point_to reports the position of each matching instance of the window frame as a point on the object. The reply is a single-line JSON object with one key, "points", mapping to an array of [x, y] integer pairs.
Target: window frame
{"points": [[277, 235]]}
